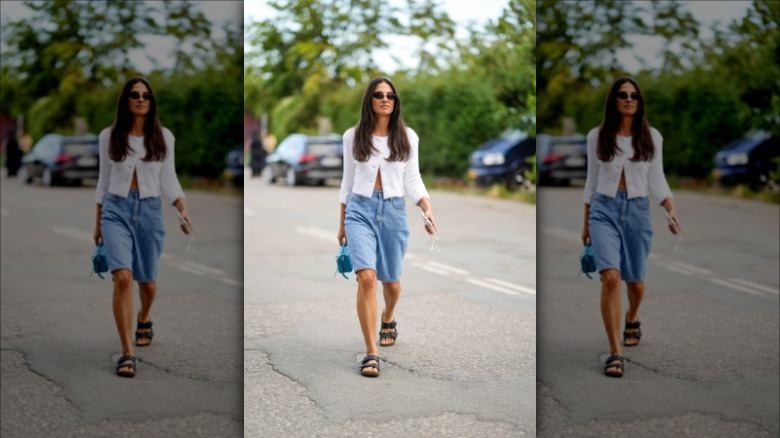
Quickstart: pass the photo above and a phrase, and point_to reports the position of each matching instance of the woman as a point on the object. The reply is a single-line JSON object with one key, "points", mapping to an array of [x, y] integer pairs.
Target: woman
{"points": [[624, 165], [136, 165], [380, 162]]}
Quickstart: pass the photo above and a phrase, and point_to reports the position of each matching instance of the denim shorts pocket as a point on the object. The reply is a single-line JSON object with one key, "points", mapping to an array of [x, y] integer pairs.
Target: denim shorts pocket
{"points": [[357, 198], [643, 203], [398, 203], [155, 203]]}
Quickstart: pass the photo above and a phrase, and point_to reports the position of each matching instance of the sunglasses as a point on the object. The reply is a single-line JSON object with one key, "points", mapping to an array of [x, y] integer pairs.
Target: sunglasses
{"points": [[378, 95], [622, 95], [136, 95]]}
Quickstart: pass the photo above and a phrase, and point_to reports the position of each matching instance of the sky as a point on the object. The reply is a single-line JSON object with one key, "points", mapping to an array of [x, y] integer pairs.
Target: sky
{"points": [[159, 48]]}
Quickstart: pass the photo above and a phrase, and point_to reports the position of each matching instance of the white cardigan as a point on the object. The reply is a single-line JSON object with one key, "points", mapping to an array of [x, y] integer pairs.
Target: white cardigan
{"points": [[153, 176], [642, 177], [359, 177]]}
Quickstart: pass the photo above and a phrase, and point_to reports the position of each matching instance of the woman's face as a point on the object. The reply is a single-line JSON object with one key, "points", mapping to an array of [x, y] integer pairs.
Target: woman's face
{"points": [[629, 105], [139, 99], [383, 106]]}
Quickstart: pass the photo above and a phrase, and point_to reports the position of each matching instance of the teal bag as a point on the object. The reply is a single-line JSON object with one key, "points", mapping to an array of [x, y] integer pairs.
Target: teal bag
{"points": [[587, 261], [99, 260], [343, 262]]}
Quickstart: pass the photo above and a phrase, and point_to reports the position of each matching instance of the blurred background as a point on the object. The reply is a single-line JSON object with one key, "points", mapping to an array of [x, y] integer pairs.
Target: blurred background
{"points": [[64, 63], [465, 72], [709, 72]]}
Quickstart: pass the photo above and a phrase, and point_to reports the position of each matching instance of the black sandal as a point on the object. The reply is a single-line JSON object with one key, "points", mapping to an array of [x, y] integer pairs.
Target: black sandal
{"points": [[388, 335], [125, 362], [632, 335], [364, 364], [614, 361], [144, 335]]}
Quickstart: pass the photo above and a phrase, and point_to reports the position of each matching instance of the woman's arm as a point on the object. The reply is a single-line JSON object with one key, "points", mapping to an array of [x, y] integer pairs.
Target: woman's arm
{"points": [[342, 234], [585, 228], [98, 232], [425, 205], [169, 181]]}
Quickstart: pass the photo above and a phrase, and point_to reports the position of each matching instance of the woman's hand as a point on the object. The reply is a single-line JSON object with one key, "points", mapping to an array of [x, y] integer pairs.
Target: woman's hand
{"points": [[184, 214], [671, 211], [585, 234], [341, 236], [98, 234], [673, 215], [429, 215]]}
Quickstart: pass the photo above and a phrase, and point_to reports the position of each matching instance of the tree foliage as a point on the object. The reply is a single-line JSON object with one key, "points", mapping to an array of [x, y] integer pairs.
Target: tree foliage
{"points": [[314, 60], [70, 60], [704, 94]]}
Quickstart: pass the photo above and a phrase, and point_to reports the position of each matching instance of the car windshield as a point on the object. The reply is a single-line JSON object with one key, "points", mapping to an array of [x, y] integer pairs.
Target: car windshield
{"points": [[78, 148], [320, 149]]}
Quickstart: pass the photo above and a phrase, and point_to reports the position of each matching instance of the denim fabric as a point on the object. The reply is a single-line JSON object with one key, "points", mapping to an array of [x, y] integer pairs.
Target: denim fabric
{"points": [[133, 234], [621, 233], [377, 234]]}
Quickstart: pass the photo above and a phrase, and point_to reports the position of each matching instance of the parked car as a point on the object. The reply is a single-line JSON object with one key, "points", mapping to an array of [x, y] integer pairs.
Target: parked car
{"points": [[748, 160], [234, 166], [58, 159], [304, 159], [561, 159], [503, 160]]}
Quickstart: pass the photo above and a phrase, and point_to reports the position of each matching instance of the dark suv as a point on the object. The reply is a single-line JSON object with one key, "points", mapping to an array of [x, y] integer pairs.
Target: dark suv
{"points": [[503, 160], [301, 158], [748, 160], [58, 158]]}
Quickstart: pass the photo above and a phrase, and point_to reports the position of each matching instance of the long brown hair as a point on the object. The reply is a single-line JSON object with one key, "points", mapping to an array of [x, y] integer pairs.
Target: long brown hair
{"points": [[644, 148], [154, 143], [398, 142]]}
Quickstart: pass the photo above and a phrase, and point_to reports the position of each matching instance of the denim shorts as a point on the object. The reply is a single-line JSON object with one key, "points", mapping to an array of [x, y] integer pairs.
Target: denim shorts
{"points": [[133, 234], [621, 233], [377, 234]]}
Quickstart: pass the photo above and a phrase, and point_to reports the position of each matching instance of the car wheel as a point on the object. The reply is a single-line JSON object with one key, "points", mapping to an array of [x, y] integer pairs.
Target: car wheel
{"points": [[292, 178], [518, 180], [268, 175], [48, 178], [24, 175]]}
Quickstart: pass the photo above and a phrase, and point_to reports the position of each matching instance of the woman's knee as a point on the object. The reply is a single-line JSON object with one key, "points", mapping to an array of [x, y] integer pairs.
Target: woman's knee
{"points": [[147, 287], [394, 287], [123, 278], [611, 278], [636, 287]]}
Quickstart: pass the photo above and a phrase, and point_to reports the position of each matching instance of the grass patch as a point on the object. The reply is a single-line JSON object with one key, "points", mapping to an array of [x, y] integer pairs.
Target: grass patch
{"points": [[740, 191], [211, 185], [496, 191]]}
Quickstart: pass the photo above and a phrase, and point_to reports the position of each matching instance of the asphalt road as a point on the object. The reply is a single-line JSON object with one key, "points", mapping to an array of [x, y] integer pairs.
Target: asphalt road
{"points": [[59, 340], [707, 364], [465, 361]]}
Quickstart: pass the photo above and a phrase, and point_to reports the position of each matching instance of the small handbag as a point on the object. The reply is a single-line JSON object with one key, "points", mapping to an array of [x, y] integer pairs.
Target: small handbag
{"points": [[99, 260], [343, 261], [587, 261]]}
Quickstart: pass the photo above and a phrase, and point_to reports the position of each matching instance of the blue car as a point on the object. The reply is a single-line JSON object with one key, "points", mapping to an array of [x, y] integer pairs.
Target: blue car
{"points": [[748, 161], [503, 160]]}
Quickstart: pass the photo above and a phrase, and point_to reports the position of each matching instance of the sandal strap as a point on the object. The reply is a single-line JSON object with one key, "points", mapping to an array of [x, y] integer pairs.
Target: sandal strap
{"points": [[144, 325], [388, 325], [633, 325], [388, 335], [144, 335], [631, 335], [365, 362], [126, 361]]}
